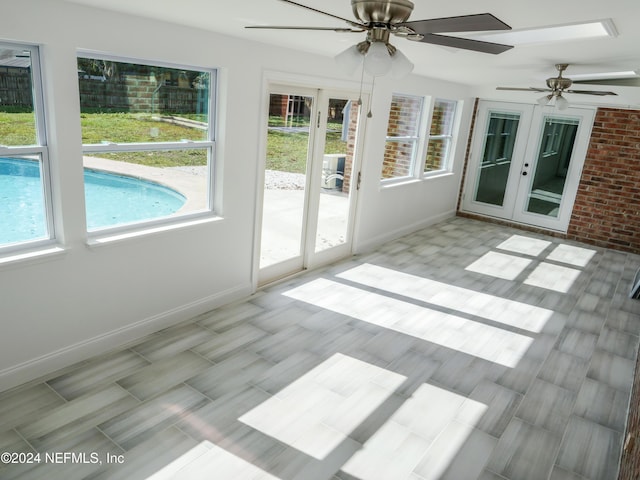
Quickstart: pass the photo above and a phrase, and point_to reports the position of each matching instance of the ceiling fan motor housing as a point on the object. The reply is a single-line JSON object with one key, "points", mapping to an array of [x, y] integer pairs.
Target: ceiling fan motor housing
{"points": [[558, 83], [380, 11]]}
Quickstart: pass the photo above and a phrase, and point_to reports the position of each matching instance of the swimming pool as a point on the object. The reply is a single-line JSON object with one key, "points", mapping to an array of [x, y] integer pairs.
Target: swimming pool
{"points": [[110, 200]]}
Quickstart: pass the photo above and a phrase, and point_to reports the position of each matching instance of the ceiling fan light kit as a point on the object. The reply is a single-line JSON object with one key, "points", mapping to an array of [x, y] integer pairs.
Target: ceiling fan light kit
{"points": [[383, 18]]}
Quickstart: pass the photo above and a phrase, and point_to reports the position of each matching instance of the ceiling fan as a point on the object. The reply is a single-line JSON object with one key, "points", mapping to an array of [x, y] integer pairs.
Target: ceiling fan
{"points": [[557, 86], [383, 18]]}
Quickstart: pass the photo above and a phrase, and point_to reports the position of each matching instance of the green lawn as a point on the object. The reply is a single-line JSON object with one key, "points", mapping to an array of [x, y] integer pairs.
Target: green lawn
{"points": [[17, 129], [288, 151], [285, 151]]}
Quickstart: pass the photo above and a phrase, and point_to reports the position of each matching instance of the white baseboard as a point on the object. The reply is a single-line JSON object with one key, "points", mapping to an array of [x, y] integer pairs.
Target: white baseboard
{"points": [[38, 368], [372, 243]]}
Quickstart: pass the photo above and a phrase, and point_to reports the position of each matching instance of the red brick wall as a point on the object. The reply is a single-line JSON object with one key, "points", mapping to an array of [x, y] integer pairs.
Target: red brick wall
{"points": [[403, 121], [607, 207], [354, 113]]}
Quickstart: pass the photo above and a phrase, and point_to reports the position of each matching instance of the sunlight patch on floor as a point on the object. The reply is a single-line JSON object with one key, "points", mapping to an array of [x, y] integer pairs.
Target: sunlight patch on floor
{"points": [[316, 413], [525, 245], [553, 277], [499, 265], [424, 436], [205, 461], [490, 307], [576, 256], [462, 334]]}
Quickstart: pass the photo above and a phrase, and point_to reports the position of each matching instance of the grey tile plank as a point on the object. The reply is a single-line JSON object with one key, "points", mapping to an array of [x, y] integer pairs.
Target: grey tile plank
{"points": [[459, 452], [559, 473], [283, 373], [172, 341], [218, 419], [602, 404], [565, 370], [91, 448], [102, 370], [235, 372], [164, 374], [137, 425], [618, 343], [624, 321], [392, 453], [577, 342], [547, 405], [588, 449], [525, 452], [228, 316], [224, 344], [490, 407], [149, 458], [25, 404], [281, 345], [612, 370], [81, 412]]}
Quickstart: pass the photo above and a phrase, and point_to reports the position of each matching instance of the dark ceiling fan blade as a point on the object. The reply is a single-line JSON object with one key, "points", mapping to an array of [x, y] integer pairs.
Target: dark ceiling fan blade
{"points": [[465, 43], [620, 82], [350, 22], [591, 92], [528, 89], [465, 23], [279, 27]]}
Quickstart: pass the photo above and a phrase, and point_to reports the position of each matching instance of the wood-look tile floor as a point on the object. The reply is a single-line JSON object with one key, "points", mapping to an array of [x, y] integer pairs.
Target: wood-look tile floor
{"points": [[464, 351]]}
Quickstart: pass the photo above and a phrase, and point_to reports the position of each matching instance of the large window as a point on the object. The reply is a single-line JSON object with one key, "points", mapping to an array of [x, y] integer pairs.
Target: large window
{"points": [[148, 141], [25, 206], [416, 143]]}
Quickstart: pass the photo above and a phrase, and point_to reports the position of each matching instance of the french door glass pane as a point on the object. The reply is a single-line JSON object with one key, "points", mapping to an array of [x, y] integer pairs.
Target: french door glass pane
{"points": [[496, 158], [337, 162], [285, 178], [552, 164]]}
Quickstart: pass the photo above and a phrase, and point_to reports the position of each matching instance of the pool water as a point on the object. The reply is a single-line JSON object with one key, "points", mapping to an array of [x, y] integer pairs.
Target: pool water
{"points": [[110, 200]]}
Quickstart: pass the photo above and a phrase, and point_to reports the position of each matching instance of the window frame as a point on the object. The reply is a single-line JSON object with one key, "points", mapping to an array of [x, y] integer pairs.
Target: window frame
{"points": [[446, 165], [421, 141], [209, 144], [416, 140], [40, 148]]}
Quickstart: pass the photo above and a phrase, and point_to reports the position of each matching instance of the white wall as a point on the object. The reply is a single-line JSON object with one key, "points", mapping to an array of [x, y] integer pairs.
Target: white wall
{"points": [[59, 309], [394, 209]]}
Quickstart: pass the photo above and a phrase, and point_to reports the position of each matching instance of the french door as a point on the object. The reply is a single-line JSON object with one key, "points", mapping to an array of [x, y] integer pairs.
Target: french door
{"points": [[310, 181], [526, 162]]}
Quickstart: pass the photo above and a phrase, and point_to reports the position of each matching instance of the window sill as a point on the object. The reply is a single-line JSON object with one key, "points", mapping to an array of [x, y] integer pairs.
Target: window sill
{"points": [[104, 238], [437, 174], [35, 255], [392, 182]]}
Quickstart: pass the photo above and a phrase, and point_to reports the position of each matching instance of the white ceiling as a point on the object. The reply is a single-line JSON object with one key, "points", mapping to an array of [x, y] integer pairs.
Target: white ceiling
{"points": [[522, 66]]}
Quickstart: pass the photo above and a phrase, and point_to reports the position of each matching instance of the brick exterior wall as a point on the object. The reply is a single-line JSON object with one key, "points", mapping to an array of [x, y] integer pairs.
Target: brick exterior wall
{"points": [[351, 147], [403, 121], [607, 208]]}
